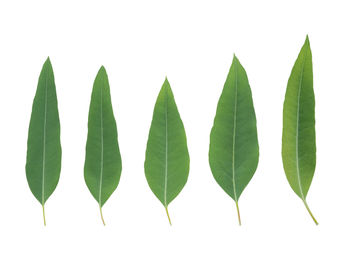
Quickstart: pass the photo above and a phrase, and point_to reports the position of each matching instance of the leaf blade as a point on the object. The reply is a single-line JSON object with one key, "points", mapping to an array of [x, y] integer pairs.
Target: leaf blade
{"points": [[234, 149], [298, 135], [43, 164], [103, 164], [167, 158]]}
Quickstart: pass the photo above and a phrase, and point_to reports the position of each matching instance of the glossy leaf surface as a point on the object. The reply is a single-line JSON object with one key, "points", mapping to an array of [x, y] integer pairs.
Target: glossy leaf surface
{"points": [[234, 149], [103, 163], [298, 139], [43, 164], [167, 159]]}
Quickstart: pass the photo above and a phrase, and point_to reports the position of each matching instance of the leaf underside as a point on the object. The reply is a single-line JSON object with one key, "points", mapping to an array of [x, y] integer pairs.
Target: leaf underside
{"points": [[167, 159], [234, 149], [43, 163], [298, 139], [103, 163]]}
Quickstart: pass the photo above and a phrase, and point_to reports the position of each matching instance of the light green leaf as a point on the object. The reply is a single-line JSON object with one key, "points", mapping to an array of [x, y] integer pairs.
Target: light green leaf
{"points": [[167, 159], [298, 139], [43, 164], [234, 149], [103, 163]]}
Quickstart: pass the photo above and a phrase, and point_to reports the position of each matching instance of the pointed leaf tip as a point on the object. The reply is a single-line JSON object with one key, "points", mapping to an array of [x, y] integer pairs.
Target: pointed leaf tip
{"points": [[47, 63], [166, 81], [166, 84], [102, 69], [235, 60], [307, 40]]}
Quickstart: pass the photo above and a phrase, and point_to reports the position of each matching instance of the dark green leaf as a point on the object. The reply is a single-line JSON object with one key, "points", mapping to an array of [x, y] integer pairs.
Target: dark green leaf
{"points": [[44, 148], [167, 159], [298, 139], [234, 149], [103, 163]]}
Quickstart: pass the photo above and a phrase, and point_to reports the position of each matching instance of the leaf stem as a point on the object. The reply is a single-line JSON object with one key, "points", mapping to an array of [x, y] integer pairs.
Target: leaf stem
{"points": [[167, 213], [308, 209], [103, 221], [239, 215], [44, 215]]}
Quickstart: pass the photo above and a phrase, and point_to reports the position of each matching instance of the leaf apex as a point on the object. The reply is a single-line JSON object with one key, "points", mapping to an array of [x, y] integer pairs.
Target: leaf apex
{"points": [[236, 62], [102, 71], [102, 68], [166, 84], [166, 81], [235, 59], [48, 62]]}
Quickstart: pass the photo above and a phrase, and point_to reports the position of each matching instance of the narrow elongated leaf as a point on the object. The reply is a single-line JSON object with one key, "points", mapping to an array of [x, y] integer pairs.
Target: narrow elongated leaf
{"points": [[234, 149], [103, 163], [298, 139], [167, 159], [44, 147]]}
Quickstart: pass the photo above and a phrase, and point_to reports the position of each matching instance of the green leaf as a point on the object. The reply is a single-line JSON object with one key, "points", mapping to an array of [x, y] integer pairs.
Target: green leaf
{"points": [[103, 163], [43, 164], [167, 160], [234, 148], [298, 139]]}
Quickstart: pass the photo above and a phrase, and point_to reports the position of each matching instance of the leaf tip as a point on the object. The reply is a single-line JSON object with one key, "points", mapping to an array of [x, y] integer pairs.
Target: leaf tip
{"points": [[166, 84], [102, 69], [235, 59], [166, 81], [47, 62], [102, 72], [307, 40]]}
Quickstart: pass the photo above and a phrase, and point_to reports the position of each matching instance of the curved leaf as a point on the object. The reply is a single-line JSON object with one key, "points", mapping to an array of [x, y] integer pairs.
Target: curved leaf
{"points": [[43, 164], [234, 149], [298, 139], [103, 163], [167, 159]]}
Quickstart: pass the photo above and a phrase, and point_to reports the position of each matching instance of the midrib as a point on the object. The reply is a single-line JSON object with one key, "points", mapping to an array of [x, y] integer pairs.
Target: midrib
{"points": [[101, 160], [297, 132], [166, 149], [234, 137], [44, 148]]}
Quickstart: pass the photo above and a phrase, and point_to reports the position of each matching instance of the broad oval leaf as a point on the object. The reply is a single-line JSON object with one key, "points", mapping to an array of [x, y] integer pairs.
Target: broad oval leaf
{"points": [[298, 138], [103, 163], [43, 164], [167, 160], [234, 148]]}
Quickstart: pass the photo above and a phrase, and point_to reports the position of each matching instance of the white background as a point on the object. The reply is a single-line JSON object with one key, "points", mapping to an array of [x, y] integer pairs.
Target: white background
{"points": [[191, 42]]}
